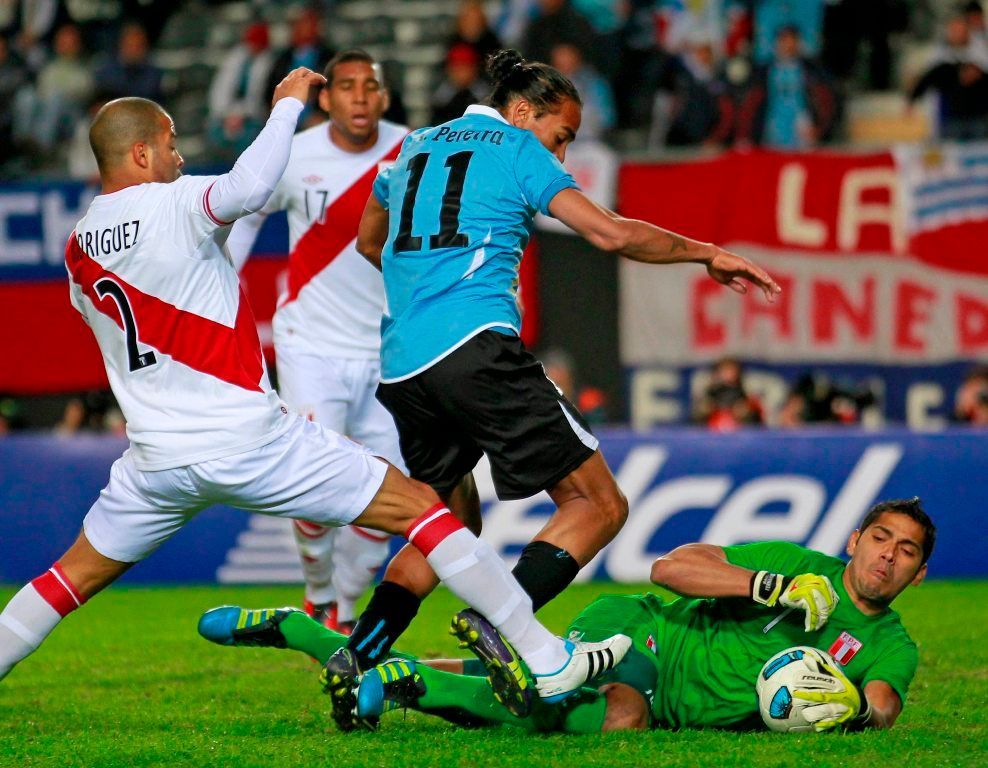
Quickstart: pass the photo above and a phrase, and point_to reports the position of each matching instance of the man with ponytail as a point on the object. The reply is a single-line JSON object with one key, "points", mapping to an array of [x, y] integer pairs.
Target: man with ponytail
{"points": [[447, 223]]}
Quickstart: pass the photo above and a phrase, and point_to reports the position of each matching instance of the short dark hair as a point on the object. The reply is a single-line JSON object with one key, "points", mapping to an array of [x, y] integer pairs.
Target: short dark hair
{"points": [[910, 508], [540, 85], [350, 54]]}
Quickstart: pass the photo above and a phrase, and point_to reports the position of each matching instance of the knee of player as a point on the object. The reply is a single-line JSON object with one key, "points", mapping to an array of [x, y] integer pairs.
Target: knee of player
{"points": [[626, 708], [613, 508], [399, 502]]}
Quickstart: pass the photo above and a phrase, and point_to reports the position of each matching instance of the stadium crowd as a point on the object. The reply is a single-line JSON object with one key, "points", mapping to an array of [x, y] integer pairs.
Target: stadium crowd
{"points": [[652, 73]]}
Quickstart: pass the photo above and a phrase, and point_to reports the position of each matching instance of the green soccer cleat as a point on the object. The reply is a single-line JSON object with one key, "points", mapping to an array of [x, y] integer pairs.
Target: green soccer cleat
{"points": [[340, 678], [393, 684], [504, 668], [233, 625]]}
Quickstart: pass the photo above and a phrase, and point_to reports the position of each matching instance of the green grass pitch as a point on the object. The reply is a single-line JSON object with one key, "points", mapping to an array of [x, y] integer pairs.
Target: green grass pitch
{"points": [[127, 682]]}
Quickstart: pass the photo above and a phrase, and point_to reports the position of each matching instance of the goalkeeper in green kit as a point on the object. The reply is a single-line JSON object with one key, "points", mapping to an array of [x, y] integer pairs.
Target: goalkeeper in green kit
{"points": [[694, 659]]}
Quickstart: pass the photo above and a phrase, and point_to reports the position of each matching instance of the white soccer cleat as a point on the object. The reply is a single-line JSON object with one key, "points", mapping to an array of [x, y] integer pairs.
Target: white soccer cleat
{"points": [[586, 661]]}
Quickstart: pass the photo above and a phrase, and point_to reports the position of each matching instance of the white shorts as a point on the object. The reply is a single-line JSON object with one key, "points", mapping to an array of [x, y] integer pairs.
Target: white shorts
{"points": [[308, 473], [341, 394]]}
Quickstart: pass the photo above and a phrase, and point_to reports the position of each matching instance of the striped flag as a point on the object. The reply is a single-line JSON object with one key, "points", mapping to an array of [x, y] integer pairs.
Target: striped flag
{"points": [[844, 648]]}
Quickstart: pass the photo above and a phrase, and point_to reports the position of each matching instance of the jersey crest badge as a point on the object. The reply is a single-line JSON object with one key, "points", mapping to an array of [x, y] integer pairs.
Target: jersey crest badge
{"points": [[651, 645], [844, 648], [312, 178]]}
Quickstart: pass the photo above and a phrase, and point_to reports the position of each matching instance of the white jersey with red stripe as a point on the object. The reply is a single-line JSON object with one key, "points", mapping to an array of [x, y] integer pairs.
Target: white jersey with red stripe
{"points": [[149, 275], [334, 298]]}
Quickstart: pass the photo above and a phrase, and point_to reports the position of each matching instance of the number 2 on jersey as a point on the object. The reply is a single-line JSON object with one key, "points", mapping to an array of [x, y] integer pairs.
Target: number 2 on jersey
{"points": [[106, 287], [449, 235]]}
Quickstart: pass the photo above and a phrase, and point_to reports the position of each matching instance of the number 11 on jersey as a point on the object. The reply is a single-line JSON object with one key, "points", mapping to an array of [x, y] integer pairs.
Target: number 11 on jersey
{"points": [[449, 235]]}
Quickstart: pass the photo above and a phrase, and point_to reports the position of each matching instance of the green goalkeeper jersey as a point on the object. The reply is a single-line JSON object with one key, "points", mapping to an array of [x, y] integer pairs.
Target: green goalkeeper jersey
{"points": [[709, 652]]}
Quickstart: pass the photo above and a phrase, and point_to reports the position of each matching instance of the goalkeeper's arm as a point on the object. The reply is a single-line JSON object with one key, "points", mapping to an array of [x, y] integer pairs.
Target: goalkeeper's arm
{"points": [[882, 706], [702, 570]]}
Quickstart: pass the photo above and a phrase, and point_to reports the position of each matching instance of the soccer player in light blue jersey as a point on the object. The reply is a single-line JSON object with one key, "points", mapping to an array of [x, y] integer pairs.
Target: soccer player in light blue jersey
{"points": [[448, 223]]}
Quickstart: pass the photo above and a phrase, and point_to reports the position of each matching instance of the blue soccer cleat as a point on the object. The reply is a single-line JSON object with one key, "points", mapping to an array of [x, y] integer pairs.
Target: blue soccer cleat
{"points": [[504, 668], [393, 684], [340, 678], [233, 625]]}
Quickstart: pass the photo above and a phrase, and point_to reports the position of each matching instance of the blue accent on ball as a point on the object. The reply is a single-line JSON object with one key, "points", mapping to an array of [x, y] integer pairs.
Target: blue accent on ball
{"points": [[782, 661], [781, 704]]}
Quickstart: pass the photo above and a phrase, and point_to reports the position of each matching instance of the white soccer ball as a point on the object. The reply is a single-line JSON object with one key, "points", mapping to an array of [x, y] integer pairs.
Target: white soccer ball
{"points": [[786, 671]]}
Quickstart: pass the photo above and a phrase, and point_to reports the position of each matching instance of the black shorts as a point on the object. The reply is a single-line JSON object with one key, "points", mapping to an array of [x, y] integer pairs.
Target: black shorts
{"points": [[491, 396]]}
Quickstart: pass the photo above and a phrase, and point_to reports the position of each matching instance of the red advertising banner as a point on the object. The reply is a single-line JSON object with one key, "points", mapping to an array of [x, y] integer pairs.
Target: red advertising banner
{"points": [[882, 258]]}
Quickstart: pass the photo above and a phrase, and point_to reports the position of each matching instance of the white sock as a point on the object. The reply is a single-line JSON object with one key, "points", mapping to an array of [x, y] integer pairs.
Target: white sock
{"points": [[32, 614], [473, 572], [358, 556], [315, 548]]}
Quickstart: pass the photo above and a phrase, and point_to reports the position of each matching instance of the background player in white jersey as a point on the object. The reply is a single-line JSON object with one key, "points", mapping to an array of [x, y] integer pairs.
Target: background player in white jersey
{"points": [[149, 275], [327, 329]]}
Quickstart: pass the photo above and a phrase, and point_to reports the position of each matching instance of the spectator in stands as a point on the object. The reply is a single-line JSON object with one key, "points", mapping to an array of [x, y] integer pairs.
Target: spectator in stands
{"points": [[81, 161], [607, 18], [725, 405], [816, 399], [561, 371], [99, 21], [64, 88], [791, 103], [599, 112], [130, 72], [804, 16], [462, 85], [16, 101], [305, 50], [693, 107], [971, 400], [473, 30], [960, 44], [725, 23], [238, 101], [977, 25], [556, 23], [959, 75], [28, 26], [848, 23], [641, 66]]}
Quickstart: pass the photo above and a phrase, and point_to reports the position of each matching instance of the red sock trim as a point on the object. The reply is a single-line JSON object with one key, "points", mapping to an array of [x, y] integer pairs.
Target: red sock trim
{"points": [[429, 529], [364, 533], [311, 530], [56, 590]]}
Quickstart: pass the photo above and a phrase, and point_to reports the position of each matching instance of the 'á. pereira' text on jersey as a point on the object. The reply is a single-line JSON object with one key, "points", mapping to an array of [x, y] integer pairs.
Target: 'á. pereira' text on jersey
{"points": [[148, 274], [461, 198], [334, 298]]}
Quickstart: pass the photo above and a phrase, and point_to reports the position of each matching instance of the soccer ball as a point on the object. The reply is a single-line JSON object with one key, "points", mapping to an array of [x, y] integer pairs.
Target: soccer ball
{"points": [[792, 668]]}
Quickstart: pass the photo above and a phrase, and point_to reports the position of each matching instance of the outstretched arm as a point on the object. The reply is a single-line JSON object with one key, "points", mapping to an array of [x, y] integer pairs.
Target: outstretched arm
{"points": [[249, 184], [882, 708], [701, 570], [644, 242], [373, 231]]}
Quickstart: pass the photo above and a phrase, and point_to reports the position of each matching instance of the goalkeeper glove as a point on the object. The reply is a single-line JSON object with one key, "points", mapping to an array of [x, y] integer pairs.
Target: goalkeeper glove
{"points": [[813, 594], [832, 708]]}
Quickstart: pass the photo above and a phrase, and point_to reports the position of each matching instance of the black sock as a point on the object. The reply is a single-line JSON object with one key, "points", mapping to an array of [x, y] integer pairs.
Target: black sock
{"points": [[544, 571], [390, 611]]}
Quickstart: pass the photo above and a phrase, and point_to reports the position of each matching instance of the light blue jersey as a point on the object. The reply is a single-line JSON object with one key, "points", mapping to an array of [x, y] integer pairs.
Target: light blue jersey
{"points": [[462, 197]]}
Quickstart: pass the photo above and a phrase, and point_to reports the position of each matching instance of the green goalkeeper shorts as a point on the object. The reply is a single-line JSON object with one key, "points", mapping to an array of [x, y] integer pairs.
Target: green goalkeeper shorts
{"points": [[623, 614]]}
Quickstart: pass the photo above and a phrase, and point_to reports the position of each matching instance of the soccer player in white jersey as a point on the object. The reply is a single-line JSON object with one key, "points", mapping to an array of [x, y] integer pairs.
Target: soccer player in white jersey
{"points": [[148, 274], [327, 329]]}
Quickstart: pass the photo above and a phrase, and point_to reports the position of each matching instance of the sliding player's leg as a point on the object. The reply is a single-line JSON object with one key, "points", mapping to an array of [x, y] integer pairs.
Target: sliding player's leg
{"points": [[133, 516], [310, 470]]}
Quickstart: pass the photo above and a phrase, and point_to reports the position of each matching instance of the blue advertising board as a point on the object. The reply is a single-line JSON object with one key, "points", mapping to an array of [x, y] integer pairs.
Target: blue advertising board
{"points": [[810, 487]]}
